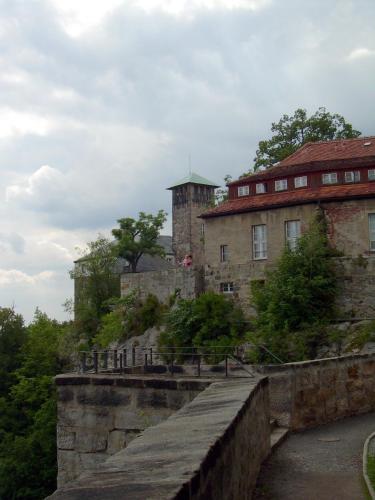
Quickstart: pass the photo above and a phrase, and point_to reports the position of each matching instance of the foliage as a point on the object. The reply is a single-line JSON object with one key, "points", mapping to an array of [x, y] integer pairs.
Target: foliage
{"points": [[12, 337], [221, 194], [297, 300], [138, 237], [210, 320], [130, 317], [96, 281], [291, 132], [361, 335], [28, 411]]}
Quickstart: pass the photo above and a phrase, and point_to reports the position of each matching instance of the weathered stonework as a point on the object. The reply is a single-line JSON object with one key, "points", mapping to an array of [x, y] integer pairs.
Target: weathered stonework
{"points": [[187, 282], [312, 393], [100, 415], [210, 449]]}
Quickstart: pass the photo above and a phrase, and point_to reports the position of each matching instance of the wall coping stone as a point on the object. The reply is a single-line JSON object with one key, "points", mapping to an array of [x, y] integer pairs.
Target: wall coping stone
{"points": [[135, 381], [168, 461], [314, 362]]}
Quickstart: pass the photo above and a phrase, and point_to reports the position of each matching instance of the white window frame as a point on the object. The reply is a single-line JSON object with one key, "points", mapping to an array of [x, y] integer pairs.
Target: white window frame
{"points": [[281, 185], [227, 287], [300, 182], [292, 235], [261, 188], [353, 176], [329, 178], [371, 231], [259, 234], [224, 253], [243, 190], [371, 174]]}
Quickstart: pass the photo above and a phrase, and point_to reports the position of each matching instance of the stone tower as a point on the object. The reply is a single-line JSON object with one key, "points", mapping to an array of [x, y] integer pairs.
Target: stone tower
{"points": [[190, 197]]}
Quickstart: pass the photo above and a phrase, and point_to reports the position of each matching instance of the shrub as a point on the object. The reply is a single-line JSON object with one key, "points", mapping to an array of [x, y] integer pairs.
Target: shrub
{"points": [[210, 320], [297, 300]]}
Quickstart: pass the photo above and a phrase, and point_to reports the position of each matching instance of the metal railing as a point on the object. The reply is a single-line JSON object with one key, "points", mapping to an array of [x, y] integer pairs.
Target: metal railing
{"points": [[183, 360]]}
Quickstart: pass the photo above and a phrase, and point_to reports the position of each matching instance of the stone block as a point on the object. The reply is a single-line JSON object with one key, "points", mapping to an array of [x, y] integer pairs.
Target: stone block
{"points": [[65, 438], [102, 396], [116, 441], [90, 441], [152, 398]]}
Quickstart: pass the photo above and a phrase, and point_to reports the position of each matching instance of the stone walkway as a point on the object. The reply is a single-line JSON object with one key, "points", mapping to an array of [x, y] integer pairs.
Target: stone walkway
{"points": [[319, 464]]}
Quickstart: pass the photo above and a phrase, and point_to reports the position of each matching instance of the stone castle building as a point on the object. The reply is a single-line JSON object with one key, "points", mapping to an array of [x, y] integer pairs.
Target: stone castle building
{"points": [[233, 243]]}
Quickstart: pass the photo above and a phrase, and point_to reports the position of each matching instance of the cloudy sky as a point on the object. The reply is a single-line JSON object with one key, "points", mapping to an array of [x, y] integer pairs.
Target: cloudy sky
{"points": [[103, 101]]}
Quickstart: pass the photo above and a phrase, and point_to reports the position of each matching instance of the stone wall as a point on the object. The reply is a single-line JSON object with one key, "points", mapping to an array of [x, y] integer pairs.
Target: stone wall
{"points": [[98, 415], [312, 393], [164, 283], [210, 449], [356, 276]]}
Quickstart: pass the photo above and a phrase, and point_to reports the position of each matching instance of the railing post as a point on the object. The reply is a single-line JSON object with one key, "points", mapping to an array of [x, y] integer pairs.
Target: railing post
{"points": [[150, 355], [172, 370], [226, 365], [133, 356], [121, 365], [105, 360], [115, 359], [146, 362], [199, 365], [124, 356], [95, 356], [84, 365]]}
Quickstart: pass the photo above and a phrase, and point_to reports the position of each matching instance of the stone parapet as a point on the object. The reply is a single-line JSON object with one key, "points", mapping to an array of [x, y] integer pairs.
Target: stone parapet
{"points": [[312, 393], [98, 415], [211, 448]]}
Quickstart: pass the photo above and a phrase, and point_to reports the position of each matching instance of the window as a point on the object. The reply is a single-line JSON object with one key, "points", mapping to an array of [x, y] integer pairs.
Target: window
{"points": [[352, 176], [371, 174], [330, 178], [227, 287], [281, 185], [261, 188], [371, 227], [292, 233], [224, 254], [260, 242], [243, 190], [300, 182]]}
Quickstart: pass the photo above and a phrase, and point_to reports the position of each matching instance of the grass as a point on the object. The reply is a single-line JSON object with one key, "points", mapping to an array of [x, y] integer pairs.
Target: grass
{"points": [[371, 469]]}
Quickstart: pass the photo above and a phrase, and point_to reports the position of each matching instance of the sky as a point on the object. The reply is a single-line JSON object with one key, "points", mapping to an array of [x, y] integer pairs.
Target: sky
{"points": [[102, 103]]}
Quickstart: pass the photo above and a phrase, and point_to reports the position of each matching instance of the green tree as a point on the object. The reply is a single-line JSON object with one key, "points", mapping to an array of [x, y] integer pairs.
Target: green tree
{"points": [[297, 300], [12, 337], [207, 321], [96, 280], [28, 439], [138, 237], [291, 132]]}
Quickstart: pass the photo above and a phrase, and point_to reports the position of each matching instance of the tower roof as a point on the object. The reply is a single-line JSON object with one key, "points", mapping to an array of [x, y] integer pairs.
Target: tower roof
{"points": [[193, 178]]}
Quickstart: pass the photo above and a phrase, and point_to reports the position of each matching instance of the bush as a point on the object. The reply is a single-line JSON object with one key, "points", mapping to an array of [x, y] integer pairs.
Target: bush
{"points": [[297, 300], [211, 320], [130, 317]]}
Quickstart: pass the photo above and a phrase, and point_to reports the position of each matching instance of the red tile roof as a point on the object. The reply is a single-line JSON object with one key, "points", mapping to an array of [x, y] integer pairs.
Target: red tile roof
{"points": [[287, 198], [314, 156]]}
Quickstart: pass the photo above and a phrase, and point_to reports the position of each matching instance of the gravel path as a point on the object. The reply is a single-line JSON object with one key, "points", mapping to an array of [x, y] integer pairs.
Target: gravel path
{"points": [[319, 464]]}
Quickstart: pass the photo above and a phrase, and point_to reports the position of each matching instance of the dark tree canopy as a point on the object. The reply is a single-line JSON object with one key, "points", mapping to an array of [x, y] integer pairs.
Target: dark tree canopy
{"points": [[138, 237], [291, 132]]}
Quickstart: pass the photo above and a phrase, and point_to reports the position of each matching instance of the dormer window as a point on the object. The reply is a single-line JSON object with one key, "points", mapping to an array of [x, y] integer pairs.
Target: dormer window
{"points": [[352, 176], [371, 174], [281, 185], [243, 190], [261, 188], [330, 178], [300, 182]]}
